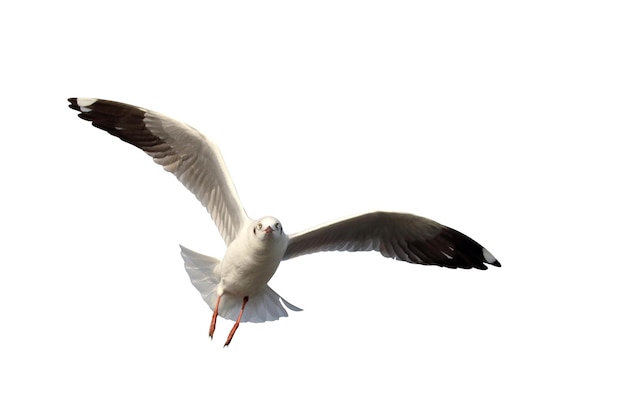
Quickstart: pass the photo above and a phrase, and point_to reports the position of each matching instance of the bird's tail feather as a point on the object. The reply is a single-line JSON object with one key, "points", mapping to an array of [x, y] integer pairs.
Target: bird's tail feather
{"points": [[263, 306]]}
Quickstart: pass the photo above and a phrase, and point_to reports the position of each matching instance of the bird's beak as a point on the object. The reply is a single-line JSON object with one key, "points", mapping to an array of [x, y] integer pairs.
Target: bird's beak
{"points": [[268, 229]]}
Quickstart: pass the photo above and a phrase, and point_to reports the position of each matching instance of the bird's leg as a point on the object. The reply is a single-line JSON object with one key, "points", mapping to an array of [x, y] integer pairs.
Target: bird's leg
{"points": [[214, 318], [234, 329]]}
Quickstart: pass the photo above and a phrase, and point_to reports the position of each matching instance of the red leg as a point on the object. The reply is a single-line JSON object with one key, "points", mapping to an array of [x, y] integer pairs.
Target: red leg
{"points": [[234, 329], [214, 318]]}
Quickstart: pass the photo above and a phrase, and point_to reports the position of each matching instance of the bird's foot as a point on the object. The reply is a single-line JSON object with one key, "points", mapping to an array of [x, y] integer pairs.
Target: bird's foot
{"points": [[214, 318], [234, 329]]}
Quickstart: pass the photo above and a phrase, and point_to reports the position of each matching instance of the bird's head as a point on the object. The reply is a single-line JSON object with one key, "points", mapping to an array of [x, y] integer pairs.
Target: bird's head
{"points": [[267, 228]]}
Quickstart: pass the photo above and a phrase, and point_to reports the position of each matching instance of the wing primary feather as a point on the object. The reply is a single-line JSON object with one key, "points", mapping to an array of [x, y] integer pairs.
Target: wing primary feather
{"points": [[400, 236], [180, 149]]}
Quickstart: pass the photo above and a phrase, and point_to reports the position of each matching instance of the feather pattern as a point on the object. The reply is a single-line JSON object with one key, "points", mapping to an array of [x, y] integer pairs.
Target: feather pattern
{"points": [[400, 236], [180, 149]]}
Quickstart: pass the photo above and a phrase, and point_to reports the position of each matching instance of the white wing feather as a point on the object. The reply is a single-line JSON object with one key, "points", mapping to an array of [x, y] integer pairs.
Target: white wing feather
{"points": [[180, 149]]}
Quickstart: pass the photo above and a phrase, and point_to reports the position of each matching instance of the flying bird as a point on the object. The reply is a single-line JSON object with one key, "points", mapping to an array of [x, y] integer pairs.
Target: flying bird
{"points": [[236, 287]]}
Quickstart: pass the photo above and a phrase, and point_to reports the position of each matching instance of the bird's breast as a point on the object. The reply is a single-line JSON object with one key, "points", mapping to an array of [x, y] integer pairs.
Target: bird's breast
{"points": [[246, 269]]}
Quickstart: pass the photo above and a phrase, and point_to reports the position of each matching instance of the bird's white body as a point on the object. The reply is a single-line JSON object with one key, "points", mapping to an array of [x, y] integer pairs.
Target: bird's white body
{"points": [[249, 263], [236, 286], [252, 258]]}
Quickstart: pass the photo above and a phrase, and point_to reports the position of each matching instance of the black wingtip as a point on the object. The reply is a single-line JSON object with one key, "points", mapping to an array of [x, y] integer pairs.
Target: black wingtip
{"points": [[456, 250], [73, 103], [490, 259]]}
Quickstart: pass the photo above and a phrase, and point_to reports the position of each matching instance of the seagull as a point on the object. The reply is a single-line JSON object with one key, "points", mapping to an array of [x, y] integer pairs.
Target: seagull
{"points": [[236, 287]]}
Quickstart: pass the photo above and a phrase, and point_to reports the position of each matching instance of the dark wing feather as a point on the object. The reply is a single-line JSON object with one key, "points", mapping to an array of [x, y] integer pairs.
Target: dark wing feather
{"points": [[180, 149], [400, 236]]}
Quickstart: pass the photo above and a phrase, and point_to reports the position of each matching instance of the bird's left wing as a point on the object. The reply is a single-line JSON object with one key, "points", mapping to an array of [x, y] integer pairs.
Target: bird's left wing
{"points": [[180, 149], [400, 236]]}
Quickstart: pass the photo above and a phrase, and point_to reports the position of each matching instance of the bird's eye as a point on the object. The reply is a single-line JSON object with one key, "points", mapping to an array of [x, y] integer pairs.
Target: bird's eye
{"points": [[259, 226], [277, 225]]}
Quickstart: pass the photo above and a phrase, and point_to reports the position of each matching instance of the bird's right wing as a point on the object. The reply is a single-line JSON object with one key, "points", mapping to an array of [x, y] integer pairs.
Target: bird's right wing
{"points": [[180, 149]]}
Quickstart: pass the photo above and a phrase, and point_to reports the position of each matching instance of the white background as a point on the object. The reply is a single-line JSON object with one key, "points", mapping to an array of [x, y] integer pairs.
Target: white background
{"points": [[505, 122]]}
